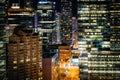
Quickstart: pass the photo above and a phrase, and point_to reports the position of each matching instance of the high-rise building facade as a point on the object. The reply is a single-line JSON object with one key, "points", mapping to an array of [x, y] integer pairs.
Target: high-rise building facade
{"points": [[24, 55], [115, 25], [114, 58], [56, 35], [46, 20], [2, 39], [66, 21], [19, 16], [50, 62], [98, 23], [74, 43], [21, 3]]}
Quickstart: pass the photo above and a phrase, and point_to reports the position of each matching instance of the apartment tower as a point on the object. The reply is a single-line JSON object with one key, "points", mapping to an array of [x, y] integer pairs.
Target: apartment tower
{"points": [[24, 55]]}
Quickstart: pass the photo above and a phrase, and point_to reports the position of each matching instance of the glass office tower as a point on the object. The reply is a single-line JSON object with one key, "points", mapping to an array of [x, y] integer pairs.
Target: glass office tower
{"points": [[46, 20], [96, 31], [115, 25], [66, 21], [114, 59], [19, 16], [2, 39]]}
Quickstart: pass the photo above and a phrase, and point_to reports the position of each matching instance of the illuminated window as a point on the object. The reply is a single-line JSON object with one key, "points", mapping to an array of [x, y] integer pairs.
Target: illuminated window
{"points": [[14, 67], [15, 62]]}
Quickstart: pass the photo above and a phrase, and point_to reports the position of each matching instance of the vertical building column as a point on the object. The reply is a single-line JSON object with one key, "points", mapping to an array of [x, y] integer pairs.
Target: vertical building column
{"points": [[3, 38], [66, 22]]}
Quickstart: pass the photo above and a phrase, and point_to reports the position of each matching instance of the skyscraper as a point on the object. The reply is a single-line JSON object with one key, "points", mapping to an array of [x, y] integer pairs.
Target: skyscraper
{"points": [[50, 62], [94, 36], [97, 22], [66, 21], [2, 39], [114, 17], [74, 43], [24, 55], [46, 20], [19, 16], [24, 46], [56, 36], [114, 56]]}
